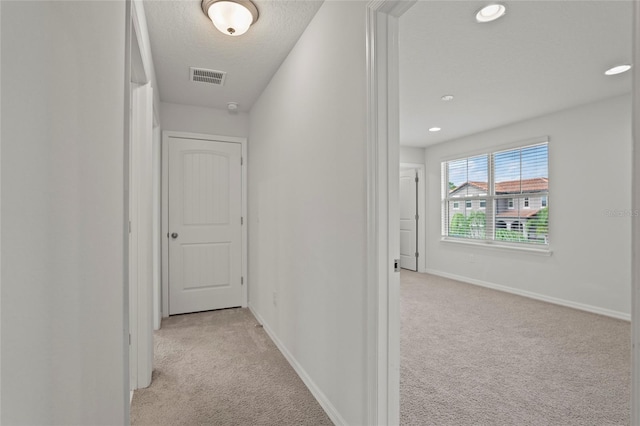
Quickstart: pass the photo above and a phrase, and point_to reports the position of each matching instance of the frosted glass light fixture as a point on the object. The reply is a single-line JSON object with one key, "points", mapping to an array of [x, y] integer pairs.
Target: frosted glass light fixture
{"points": [[231, 17], [490, 13]]}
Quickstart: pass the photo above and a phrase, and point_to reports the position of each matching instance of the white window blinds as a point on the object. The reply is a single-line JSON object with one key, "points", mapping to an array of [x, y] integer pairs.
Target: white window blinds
{"points": [[499, 196]]}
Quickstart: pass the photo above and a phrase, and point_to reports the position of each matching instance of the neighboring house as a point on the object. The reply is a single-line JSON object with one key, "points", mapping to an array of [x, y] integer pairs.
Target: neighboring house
{"points": [[511, 213]]}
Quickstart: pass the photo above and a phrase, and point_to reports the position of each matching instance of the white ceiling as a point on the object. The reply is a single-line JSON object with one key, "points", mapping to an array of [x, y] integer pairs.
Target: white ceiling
{"points": [[182, 36], [541, 57]]}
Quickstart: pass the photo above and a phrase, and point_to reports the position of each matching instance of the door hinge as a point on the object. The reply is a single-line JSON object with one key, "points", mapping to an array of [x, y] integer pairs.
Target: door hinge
{"points": [[416, 179], [241, 280], [416, 254], [129, 339], [241, 220], [241, 161], [129, 226], [417, 217]]}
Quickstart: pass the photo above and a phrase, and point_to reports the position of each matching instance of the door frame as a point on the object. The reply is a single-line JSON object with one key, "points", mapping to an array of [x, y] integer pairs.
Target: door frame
{"points": [[166, 137], [635, 224], [422, 208], [383, 343], [141, 237], [138, 278], [383, 219]]}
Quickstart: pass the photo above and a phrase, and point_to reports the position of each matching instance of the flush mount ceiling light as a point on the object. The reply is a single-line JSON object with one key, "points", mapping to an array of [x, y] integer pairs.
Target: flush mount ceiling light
{"points": [[435, 129], [618, 69], [490, 13], [447, 98], [231, 17]]}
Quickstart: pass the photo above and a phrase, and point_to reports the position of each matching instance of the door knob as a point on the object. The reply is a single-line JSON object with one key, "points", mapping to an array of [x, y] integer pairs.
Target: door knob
{"points": [[174, 235]]}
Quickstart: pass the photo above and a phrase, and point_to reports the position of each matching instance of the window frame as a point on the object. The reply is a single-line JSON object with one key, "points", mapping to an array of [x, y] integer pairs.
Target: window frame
{"points": [[491, 200]]}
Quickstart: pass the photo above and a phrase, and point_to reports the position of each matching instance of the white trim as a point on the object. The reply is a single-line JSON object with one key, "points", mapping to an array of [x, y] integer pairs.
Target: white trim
{"points": [[635, 224], [412, 165], [126, 136], [422, 207], [166, 135], [141, 236], [383, 236], [498, 245], [157, 228], [322, 399], [536, 296]]}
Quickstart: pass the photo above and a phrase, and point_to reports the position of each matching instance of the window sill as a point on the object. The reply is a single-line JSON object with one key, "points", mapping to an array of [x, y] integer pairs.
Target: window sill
{"points": [[493, 245]]}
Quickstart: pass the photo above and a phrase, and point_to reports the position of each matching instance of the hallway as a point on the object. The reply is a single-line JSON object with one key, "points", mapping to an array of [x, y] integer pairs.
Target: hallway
{"points": [[220, 368]]}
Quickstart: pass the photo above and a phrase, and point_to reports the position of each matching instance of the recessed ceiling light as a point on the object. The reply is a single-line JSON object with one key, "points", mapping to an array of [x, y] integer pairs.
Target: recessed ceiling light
{"points": [[435, 129], [447, 98], [490, 12], [618, 69]]}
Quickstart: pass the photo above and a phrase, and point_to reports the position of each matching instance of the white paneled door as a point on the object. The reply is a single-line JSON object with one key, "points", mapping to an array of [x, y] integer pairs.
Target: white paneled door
{"points": [[409, 219], [205, 251]]}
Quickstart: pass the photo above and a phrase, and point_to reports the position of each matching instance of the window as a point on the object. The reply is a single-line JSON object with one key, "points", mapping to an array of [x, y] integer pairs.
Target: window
{"points": [[510, 188]]}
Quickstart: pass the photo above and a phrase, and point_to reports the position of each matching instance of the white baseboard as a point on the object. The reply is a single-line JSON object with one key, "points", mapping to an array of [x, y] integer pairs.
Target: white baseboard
{"points": [[536, 296], [324, 402]]}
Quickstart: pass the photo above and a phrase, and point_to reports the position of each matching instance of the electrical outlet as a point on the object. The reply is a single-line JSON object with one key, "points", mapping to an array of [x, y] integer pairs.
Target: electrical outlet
{"points": [[275, 298]]}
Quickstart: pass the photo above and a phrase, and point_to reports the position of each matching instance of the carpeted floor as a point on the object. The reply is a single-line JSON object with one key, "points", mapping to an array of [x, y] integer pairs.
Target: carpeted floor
{"points": [[469, 356], [475, 356], [218, 368]]}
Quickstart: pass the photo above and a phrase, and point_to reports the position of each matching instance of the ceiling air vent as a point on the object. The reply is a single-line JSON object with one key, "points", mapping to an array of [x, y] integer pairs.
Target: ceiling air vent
{"points": [[207, 76]]}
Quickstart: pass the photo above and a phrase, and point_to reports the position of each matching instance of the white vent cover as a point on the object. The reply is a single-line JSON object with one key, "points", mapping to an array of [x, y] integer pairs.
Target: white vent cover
{"points": [[207, 76]]}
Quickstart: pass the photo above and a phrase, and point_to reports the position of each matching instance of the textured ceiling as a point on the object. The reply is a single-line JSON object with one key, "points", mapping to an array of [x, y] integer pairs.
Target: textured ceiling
{"points": [[182, 36], [541, 57]]}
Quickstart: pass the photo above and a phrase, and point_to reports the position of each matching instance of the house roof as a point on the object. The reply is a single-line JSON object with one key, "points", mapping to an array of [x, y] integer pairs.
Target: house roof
{"points": [[510, 186]]}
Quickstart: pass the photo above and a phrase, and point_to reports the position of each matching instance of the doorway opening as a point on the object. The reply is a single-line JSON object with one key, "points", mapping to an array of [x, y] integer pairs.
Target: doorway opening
{"points": [[384, 126]]}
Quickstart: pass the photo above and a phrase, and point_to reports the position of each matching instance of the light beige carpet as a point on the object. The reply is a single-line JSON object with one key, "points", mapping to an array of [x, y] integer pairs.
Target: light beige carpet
{"points": [[218, 368], [475, 356]]}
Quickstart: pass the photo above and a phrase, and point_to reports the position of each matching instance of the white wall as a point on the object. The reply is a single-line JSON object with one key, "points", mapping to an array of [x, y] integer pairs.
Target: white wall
{"points": [[589, 172], [411, 155], [211, 121], [62, 213], [307, 208]]}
